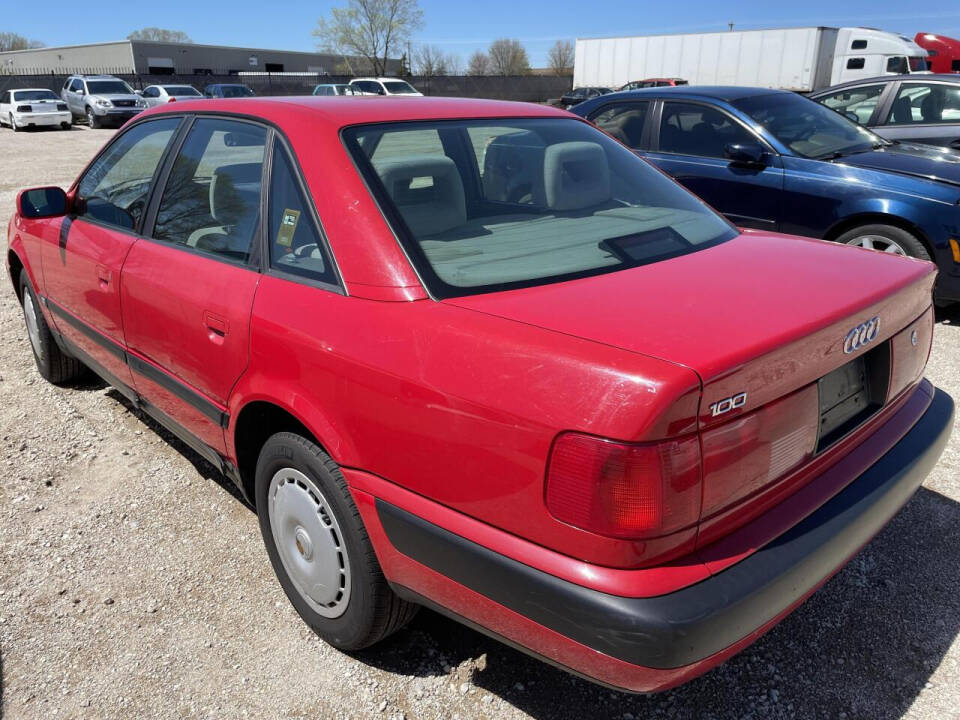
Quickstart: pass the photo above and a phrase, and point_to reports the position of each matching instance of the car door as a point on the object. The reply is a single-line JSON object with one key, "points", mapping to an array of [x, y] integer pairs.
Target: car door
{"points": [[75, 94], [689, 141], [5, 107], [924, 111], [82, 263], [188, 291], [862, 103]]}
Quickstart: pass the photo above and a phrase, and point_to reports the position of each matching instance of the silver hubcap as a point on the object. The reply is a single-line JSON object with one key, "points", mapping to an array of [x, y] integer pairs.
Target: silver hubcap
{"points": [[878, 242], [33, 325], [309, 542]]}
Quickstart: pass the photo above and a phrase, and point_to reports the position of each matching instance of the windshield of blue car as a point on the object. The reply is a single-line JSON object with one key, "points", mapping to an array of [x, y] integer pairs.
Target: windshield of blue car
{"points": [[808, 128], [485, 205], [234, 91], [181, 91], [108, 87]]}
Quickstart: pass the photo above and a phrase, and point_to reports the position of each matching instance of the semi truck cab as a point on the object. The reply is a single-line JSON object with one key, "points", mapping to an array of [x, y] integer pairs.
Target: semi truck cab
{"points": [[864, 52]]}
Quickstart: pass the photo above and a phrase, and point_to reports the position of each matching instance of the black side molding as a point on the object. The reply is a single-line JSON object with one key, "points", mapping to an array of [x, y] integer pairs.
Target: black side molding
{"points": [[164, 379], [696, 622]]}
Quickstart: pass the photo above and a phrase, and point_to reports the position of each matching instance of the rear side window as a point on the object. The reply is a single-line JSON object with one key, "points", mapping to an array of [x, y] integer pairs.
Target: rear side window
{"points": [[114, 189], [926, 104], [211, 201], [295, 243], [624, 121], [855, 64]]}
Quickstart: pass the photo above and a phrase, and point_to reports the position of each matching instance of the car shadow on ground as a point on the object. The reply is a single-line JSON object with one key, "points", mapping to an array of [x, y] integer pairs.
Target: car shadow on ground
{"points": [[1, 681], [866, 644]]}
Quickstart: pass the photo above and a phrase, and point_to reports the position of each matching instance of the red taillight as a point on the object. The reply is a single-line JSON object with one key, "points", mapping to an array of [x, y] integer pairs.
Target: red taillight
{"points": [[624, 489], [173, 99]]}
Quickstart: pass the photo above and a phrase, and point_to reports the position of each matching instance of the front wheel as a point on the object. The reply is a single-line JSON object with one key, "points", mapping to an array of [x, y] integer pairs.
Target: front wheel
{"points": [[54, 365], [92, 120], [319, 548], [885, 238]]}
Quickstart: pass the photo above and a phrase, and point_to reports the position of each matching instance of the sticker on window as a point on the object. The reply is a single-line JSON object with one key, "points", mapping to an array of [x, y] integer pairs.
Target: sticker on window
{"points": [[288, 226]]}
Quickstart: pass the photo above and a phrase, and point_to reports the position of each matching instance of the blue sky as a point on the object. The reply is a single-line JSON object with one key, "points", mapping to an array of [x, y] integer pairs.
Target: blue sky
{"points": [[462, 27]]}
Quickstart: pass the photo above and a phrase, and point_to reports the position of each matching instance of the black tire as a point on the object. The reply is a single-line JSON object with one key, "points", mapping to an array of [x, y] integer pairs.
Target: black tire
{"points": [[92, 120], [373, 610], [53, 364], [66, 126], [910, 244], [13, 124]]}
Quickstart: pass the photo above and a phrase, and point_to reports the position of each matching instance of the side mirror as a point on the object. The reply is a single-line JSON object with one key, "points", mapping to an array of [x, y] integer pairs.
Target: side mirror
{"points": [[42, 202], [81, 91], [139, 92], [852, 116], [746, 154]]}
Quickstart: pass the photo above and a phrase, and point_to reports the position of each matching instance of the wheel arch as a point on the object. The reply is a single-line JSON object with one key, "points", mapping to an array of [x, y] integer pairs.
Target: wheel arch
{"points": [[15, 266], [878, 218], [258, 419]]}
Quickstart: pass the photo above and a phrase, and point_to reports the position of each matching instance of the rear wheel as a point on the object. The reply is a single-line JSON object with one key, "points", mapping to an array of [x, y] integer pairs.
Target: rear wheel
{"points": [[53, 364], [13, 124], [319, 547], [885, 238], [66, 126]]}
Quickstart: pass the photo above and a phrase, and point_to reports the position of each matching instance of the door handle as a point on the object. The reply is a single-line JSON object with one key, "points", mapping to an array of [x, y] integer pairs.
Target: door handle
{"points": [[217, 325], [103, 275]]}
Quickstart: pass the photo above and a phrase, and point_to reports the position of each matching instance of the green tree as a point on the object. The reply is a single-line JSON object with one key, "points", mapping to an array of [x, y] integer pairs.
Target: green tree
{"points": [[372, 29]]}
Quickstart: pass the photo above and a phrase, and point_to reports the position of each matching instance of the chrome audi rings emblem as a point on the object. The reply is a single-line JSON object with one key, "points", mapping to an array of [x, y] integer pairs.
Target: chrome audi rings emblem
{"points": [[863, 334]]}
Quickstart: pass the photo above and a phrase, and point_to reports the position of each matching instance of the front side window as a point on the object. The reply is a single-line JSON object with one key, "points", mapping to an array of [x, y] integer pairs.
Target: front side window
{"points": [[182, 91], [925, 104], [806, 127], [856, 103], [295, 243], [691, 129], [76, 85], [557, 199], [624, 121], [856, 63], [897, 65], [115, 188], [211, 201]]}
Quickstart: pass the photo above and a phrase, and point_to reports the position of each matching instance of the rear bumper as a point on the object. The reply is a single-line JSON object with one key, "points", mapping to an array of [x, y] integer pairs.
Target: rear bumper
{"points": [[38, 119], [669, 638]]}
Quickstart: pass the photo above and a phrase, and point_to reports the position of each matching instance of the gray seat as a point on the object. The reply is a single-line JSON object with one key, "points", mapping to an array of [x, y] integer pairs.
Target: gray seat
{"points": [[235, 205], [903, 111], [513, 169], [427, 191], [575, 176]]}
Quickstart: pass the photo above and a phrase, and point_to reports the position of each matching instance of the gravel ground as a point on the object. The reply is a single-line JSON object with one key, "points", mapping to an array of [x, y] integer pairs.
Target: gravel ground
{"points": [[133, 583]]}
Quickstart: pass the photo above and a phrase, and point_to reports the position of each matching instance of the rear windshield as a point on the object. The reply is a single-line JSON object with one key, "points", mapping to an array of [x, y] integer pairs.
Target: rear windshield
{"points": [[181, 91], [491, 205], [108, 87], [22, 95]]}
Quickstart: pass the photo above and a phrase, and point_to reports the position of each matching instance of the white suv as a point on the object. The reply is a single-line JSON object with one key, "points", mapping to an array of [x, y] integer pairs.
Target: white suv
{"points": [[384, 86]]}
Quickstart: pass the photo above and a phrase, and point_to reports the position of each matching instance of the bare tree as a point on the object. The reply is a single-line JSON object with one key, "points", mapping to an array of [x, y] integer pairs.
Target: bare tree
{"points": [[14, 41], [508, 57], [454, 64], [560, 57], [371, 29], [429, 60], [479, 64], [160, 35]]}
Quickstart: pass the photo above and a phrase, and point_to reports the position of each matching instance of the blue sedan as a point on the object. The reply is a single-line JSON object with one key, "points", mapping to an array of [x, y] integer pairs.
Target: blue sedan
{"points": [[775, 160]]}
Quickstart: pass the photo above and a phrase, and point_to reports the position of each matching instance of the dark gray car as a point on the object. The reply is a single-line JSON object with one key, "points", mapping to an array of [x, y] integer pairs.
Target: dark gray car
{"points": [[101, 99], [914, 108]]}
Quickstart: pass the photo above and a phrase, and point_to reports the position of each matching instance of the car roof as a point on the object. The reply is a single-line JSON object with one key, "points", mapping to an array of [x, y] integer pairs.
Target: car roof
{"points": [[911, 77], [364, 109], [30, 90], [726, 93], [377, 79]]}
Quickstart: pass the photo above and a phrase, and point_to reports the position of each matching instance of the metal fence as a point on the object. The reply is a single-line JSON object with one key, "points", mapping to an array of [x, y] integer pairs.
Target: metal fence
{"points": [[528, 88]]}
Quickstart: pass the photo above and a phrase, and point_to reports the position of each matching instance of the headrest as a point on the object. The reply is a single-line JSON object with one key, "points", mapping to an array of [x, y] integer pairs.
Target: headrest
{"points": [[931, 109], [235, 192], [427, 191], [575, 175], [513, 169]]}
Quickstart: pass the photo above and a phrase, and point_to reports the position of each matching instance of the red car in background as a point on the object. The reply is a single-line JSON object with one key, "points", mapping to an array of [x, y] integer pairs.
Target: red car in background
{"points": [[481, 357], [943, 53]]}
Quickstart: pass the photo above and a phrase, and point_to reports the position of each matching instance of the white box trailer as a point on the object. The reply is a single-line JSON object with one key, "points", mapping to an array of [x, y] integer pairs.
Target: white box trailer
{"points": [[801, 59]]}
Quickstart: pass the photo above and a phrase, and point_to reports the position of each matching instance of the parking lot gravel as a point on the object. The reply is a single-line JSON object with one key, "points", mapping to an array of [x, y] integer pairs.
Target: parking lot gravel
{"points": [[134, 584]]}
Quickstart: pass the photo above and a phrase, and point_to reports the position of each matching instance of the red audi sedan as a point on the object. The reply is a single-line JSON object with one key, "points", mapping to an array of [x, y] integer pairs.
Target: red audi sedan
{"points": [[479, 356]]}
